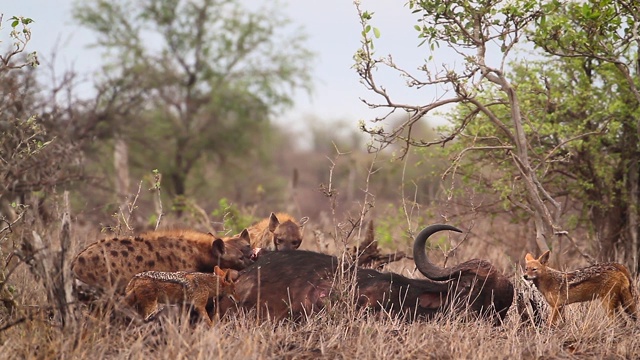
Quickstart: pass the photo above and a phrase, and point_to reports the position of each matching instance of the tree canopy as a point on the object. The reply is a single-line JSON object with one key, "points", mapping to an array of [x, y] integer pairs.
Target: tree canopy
{"points": [[554, 134], [201, 78]]}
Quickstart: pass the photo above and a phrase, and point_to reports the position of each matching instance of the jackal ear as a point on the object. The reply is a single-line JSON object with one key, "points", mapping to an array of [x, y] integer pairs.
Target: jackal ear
{"points": [[222, 274], [303, 221], [529, 257], [273, 222], [218, 271], [245, 235], [232, 275], [544, 258], [217, 247]]}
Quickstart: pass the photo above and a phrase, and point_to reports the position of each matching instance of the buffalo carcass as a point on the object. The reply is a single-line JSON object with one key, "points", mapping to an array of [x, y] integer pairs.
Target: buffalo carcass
{"points": [[491, 291], [295, 283]]}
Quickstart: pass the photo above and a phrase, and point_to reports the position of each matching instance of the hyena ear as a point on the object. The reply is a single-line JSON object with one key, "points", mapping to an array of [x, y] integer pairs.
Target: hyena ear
{"points": [[273, 222], [303, 221], [544, 258], [529, 257], [245, 235], [217, 247]]}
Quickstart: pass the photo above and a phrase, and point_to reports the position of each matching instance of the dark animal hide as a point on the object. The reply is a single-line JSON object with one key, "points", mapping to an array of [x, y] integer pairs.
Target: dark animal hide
{"points": [[298, 283], [491, 292]]}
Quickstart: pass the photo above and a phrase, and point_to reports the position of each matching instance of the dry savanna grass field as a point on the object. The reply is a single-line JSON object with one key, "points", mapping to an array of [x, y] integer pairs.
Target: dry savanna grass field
{"points": [[33, 330]]}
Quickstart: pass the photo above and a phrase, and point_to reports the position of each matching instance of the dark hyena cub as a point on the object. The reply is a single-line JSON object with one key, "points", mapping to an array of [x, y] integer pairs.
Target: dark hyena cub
{"points": [[111, 263], [278, 232], [146, 289]]}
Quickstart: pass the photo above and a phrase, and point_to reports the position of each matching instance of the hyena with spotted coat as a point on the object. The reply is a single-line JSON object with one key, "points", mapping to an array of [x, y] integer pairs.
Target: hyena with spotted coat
{"points": [[147, 289], [110, 263], [278, 232]]}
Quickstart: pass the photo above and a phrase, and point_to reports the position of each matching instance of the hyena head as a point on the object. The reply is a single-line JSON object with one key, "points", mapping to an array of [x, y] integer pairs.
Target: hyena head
{"points": [[536, 268], [286, 235], [234, 252]]}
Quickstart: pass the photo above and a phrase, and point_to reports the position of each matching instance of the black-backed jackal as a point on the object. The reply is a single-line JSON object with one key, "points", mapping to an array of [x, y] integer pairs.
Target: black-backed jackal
{"points": [[610, 282], [147, 289]]}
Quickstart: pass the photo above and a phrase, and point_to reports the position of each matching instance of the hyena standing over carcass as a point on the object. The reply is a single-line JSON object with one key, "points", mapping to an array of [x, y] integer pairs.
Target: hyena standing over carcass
{"points": [[146, 289], [110, 263], [278, 232]]}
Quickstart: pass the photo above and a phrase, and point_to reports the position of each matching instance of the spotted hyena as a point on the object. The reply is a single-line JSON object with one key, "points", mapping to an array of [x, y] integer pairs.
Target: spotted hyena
{"points": [[111, 263], [147, 289], [278, 232]]}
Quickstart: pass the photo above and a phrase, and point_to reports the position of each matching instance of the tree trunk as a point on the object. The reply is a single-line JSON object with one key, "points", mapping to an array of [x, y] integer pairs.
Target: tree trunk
{"points": [[52, 264], [632, 216], [179, 175], [121, 164], [633, 202], [178, 181], [610, 224]]}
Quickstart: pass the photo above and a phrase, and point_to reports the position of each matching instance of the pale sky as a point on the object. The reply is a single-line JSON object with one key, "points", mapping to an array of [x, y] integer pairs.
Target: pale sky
{"points": [[333, 30]]}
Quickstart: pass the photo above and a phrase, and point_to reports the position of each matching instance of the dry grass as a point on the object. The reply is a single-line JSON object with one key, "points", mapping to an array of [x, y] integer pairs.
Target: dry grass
{"points": [[338, 332], [330, 334]]}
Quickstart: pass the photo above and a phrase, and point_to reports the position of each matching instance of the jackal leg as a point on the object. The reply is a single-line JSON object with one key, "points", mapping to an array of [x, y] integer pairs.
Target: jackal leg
{"points": [[629, 303], [611, 302], [200, 307], [150, 309]]}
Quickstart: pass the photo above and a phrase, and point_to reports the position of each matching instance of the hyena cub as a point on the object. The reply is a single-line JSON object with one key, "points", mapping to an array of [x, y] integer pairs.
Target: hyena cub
{"points": [[611, 282], [109, 264], [146, 289], [278, 232]]}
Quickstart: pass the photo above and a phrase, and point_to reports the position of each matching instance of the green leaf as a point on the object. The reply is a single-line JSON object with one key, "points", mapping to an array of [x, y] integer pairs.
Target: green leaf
{"points": [[376, 32]]}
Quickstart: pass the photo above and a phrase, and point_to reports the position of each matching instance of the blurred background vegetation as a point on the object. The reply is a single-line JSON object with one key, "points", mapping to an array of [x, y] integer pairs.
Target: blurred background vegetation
{"points": [[182, 125], [195, 113]]}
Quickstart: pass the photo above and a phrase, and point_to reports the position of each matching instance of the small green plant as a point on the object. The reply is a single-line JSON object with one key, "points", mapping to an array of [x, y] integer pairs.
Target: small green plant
{"points": [[21, 35], [232, 218], [389, 227]]}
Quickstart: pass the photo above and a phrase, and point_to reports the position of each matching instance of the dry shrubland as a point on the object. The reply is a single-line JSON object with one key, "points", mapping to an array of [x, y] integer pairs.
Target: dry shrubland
{"points": [[33, 329]]}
